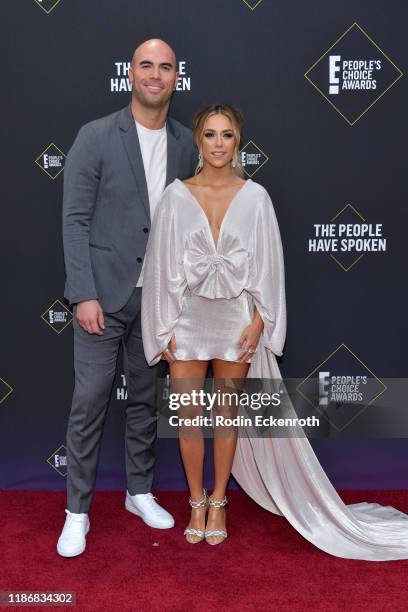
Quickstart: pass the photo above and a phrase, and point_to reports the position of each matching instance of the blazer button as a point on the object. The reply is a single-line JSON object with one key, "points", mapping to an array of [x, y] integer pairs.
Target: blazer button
{"points": [[145, 229], [139, 260]]}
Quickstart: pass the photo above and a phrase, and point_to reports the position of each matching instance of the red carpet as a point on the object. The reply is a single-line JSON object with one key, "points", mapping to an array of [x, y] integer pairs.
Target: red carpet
{"points": [[264, 564]]}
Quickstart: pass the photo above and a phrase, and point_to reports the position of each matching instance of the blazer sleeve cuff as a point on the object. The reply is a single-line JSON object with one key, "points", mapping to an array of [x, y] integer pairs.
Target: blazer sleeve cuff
{"points": [[82, 298]]}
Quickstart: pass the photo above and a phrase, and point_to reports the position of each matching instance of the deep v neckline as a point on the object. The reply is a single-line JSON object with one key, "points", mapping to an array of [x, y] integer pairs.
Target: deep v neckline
{"points": [[231, 202]]}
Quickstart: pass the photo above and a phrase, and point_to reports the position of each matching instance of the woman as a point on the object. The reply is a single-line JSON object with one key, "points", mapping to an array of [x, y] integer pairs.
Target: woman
{"points": [[214, 292]]}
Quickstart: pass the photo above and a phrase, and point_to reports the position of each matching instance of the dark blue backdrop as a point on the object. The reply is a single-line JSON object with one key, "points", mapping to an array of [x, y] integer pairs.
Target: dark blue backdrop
{"points": [[321, 155]]}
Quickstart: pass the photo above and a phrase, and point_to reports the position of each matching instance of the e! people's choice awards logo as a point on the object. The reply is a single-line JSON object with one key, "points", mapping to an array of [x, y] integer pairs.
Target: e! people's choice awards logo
{"points": [[341, 387], [347, 238], [58, 460], [51, 161], [252, 158], [57, 316], [353, 74], [120, 82], [47, 5]]}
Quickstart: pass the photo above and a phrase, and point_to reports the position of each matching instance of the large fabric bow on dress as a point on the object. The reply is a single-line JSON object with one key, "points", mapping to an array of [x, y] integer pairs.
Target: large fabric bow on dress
{"points": [[215, 273]]}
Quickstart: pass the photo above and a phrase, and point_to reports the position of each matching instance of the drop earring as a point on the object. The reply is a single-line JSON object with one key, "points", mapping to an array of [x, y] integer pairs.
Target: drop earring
{"points": [[200, 160]]}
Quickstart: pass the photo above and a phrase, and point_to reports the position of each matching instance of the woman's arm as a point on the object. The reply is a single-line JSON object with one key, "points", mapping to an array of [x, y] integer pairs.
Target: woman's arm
{"points": [[249, 338], [257, 321]]}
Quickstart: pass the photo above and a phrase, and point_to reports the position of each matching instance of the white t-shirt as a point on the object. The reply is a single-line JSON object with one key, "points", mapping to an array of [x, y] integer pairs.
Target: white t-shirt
{"points": [[153, 145]]}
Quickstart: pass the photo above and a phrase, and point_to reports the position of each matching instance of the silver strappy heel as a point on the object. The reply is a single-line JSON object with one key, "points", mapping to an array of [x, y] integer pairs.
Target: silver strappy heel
{"points": [[216, 532], [190, 530]]}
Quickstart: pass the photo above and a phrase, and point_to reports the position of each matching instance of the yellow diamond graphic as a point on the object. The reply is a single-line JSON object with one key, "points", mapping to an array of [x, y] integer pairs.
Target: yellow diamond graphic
{"points": [[57, 316], [252, 4], [47, 5], [312, 403], [353, 74], [51, 161], [58, 460], [5, 390], [252, 158], [342, 265]]}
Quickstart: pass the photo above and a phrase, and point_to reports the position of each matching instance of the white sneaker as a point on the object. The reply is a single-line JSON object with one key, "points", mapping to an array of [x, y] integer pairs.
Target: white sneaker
{"points": [[72, 540], [145, 506]]}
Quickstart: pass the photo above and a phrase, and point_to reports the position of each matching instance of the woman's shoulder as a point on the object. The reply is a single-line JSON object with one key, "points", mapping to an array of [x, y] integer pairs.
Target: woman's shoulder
{"points": [[257, 188], [259, 194], [175, 191], [172, 194], [173, 188]]}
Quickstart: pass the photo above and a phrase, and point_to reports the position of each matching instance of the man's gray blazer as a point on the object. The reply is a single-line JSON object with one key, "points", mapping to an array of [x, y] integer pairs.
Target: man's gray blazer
{"points": [[106, 213]]}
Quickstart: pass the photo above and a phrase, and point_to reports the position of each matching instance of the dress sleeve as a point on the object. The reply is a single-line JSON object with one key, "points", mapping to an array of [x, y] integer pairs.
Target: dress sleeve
{"points": [[267, 277], [163, 280]]}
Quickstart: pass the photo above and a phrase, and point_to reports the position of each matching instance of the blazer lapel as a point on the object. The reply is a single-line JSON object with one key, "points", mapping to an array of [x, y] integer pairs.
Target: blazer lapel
{"points": [[134, 154], [173, 151]]}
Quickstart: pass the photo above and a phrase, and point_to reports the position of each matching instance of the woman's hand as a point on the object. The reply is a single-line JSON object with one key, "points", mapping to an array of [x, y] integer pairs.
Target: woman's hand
{"points": [[249, 338], [171, 348]]}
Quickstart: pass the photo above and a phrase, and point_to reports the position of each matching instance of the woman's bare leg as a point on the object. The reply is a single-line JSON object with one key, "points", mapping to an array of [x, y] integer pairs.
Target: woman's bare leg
{"points": [[225, 439], [187, 376]]}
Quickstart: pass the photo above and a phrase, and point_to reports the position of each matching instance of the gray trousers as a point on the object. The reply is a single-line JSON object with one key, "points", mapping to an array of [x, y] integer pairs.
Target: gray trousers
{"points": [[95, 359]]}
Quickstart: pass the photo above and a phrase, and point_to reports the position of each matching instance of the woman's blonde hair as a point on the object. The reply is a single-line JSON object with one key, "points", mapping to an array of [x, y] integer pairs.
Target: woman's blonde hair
{"points": [[234, 115]]}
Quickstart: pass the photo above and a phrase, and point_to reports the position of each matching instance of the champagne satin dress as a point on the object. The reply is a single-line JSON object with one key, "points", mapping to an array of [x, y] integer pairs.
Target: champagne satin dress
{"points": [[205, 293]]}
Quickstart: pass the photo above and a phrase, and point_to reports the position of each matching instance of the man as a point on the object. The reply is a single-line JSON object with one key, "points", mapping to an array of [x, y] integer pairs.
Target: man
{"points": [[115, 173]]}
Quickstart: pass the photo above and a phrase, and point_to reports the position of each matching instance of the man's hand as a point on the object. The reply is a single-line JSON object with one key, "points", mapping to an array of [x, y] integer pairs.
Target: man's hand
{"points": [[89, 315]]}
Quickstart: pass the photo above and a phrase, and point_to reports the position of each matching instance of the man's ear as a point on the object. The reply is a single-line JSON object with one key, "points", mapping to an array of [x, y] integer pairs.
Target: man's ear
{"points": [[176, 81]]}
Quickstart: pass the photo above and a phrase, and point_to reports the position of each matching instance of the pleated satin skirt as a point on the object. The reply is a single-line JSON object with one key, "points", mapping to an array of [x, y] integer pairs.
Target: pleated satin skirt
{"points": [[210, 328]]}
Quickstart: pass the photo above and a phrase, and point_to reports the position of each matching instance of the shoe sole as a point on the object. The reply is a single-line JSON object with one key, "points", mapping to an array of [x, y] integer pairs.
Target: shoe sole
{"points": [[69, 555], [130, 508]]}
